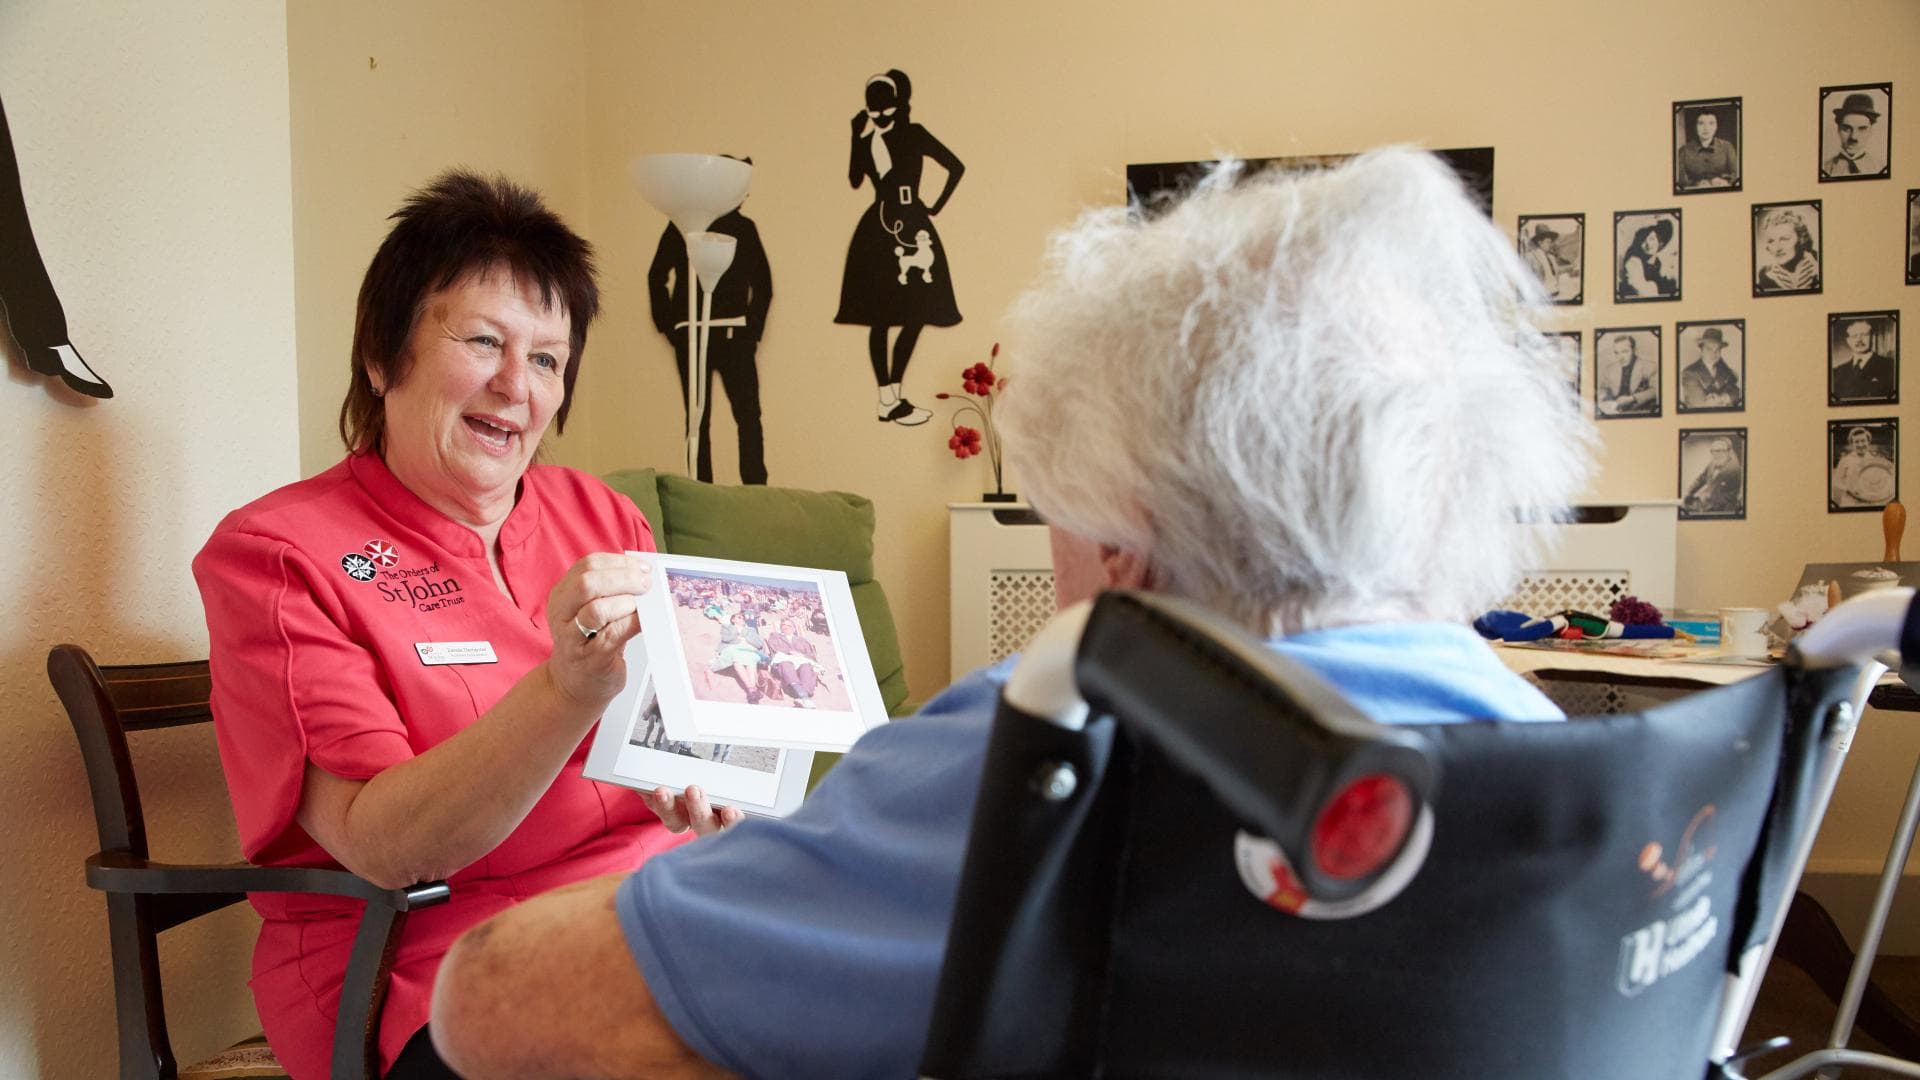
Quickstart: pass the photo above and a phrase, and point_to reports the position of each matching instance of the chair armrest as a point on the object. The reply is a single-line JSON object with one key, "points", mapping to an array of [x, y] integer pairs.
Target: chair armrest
{"points": [[120, 872]]}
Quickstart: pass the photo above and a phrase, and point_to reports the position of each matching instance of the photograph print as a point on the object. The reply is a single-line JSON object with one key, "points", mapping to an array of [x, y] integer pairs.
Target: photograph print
{"points": [[1864, 456], [1863, 358], [650, 733], [753, 640], [1913, 236], [1786, 248], [1554, 247], [1626, 372], [1713, 473], [1856, 132], [1646, 255], [1706, 146], [1571, 348], [1712, 362]]}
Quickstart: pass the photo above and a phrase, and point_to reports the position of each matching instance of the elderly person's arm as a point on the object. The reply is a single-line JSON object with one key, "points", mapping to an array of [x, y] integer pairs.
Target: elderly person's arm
{"points": [[549, 989]]}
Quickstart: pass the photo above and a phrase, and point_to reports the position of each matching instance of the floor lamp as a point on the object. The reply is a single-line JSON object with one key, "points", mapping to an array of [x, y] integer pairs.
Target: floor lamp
{"points": [[693, 190]]}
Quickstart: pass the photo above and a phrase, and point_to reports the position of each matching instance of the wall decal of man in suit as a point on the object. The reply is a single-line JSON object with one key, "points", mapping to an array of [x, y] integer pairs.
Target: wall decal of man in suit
{"points": [[34, 318], [741, 299]]}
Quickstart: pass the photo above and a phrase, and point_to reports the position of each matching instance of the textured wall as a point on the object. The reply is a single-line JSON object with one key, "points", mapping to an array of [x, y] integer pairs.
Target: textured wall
{"points": [[153, 149]]}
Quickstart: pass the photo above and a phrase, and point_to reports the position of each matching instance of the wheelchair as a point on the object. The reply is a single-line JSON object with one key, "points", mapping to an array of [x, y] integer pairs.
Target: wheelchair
{"points": [[1192, 858]]}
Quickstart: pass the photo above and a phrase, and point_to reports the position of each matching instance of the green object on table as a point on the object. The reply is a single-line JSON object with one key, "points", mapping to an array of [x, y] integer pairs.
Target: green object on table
{"points": [[826, 530]]}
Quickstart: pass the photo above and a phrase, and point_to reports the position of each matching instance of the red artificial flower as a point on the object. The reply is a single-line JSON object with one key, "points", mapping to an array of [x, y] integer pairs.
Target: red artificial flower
{"points": [[965, 442], [977, 380]]}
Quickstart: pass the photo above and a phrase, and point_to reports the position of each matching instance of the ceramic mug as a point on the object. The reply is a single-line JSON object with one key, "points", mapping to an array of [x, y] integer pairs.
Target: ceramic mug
{"points": [[1743, 631]]}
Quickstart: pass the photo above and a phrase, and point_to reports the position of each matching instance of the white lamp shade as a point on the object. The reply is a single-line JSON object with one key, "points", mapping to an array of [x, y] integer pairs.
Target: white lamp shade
{"points": [[691, 189], [710, 253]]}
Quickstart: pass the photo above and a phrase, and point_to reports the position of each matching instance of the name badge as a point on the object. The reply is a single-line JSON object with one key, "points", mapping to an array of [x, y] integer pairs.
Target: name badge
{"points": [[433, 653]]}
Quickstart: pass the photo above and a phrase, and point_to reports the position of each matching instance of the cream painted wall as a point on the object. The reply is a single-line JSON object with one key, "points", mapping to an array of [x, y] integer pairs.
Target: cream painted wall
{"points": [[153, 151], [1046, 104], [385, 96]]}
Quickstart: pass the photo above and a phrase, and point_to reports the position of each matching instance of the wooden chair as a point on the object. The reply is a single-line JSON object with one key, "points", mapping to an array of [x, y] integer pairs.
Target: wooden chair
{"points": [[145, 897]]}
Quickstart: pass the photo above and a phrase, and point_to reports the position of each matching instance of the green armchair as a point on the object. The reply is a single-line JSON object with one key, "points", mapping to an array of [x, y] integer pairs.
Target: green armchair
{"points": [[827, 530]]}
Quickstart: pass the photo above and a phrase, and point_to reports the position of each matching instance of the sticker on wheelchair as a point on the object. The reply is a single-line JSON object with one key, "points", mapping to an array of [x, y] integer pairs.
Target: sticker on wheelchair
{"points": [[1269, 875]]}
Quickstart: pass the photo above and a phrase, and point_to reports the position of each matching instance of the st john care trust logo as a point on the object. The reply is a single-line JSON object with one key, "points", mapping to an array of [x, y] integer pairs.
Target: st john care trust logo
{"points": [[1680, 878], [362, 565]]}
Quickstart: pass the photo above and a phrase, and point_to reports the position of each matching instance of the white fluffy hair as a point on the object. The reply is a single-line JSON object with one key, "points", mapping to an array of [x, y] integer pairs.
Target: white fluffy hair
{"points": [[1307, 399]]}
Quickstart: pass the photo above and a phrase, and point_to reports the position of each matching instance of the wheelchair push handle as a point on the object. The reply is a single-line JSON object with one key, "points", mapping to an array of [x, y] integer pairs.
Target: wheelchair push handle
{"points": [[1344, 800]]}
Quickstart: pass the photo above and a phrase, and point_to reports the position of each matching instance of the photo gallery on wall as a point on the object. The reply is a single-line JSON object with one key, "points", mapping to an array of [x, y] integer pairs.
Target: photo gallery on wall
{"points": [[1708, 137]]}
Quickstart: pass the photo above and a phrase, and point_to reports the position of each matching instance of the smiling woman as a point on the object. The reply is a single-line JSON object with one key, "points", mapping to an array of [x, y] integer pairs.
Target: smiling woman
{"points": [[352, 731]]}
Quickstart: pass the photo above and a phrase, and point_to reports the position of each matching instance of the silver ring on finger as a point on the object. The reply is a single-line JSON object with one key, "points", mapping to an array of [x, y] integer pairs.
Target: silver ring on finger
{"points": [[585, 632]]}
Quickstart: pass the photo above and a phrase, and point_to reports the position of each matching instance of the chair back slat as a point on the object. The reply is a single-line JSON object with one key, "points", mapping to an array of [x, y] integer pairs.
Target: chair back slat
{"points": [[159, 695]]}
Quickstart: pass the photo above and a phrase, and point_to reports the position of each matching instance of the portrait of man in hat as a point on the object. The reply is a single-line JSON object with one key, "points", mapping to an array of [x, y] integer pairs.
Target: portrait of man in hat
{"points": [[1706, 147], [1714, 381], [1554, 246], [1854, 123]]}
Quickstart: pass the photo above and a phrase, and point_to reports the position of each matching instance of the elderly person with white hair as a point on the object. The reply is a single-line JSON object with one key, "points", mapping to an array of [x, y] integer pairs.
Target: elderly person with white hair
{"points": [[1309, 401]]}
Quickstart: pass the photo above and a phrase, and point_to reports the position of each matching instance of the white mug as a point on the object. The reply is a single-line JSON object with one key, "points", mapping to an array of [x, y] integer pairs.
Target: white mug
{"points": [[1743, 631]]}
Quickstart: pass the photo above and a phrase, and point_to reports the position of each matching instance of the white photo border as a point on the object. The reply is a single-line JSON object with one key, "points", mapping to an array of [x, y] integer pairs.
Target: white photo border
{"points": [[760, 725]]}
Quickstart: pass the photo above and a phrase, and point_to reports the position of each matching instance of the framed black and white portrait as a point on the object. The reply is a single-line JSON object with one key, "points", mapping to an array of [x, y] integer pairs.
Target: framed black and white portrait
{"points": [[1913, 236], [1856, 132], [1571, 348], [1786, 248], [1706, 146], [1554, 247], [1713, 473], [1626, 372], [1863, 358], [1646, 255], [1711, 359], [1863, 461]]}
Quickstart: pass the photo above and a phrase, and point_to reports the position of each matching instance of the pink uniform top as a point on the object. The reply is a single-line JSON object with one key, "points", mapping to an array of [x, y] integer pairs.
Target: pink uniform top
{"points": [[316, 598]]}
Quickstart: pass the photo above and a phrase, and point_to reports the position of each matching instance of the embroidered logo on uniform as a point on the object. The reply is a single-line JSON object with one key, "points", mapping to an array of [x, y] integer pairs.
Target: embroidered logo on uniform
{"points": [[357, 566], [382, 553]]}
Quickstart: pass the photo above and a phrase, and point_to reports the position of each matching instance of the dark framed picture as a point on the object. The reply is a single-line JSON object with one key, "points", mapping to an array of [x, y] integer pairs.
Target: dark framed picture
{"points": [[1646, 255], [1863, 458], [1913, 236], [1570, 346], [1863, 358], [1713, 473], [1786, 248], [1555, 248], [1856, 132], [1626, 372], [1711, 358], [1706, 146]]}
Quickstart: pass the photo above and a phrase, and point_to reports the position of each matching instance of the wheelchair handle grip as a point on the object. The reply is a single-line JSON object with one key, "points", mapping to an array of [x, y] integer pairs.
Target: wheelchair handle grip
{"points": [[1861, 629]]}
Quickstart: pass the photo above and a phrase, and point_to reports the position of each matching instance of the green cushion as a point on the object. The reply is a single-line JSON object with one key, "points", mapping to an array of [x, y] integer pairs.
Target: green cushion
{"points": [[642, 486]]}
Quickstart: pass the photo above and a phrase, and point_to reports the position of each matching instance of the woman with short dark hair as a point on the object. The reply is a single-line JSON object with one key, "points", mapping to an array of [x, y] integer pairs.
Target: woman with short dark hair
{"points": [[409, 649]]}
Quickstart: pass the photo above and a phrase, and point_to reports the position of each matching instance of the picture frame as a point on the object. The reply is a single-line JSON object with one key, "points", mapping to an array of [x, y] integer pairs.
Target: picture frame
{"points": [[1715, 378], [1863, 464], [1572, 345], [1706, 146], [1863, 358], [1787, 248], [1646, 255], [710, 627], [631, 748], [1554, 248], [1626, 381], [1712, 481], [1152, 186], [1825, 586], [1913, 236], [1856, 132]]}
